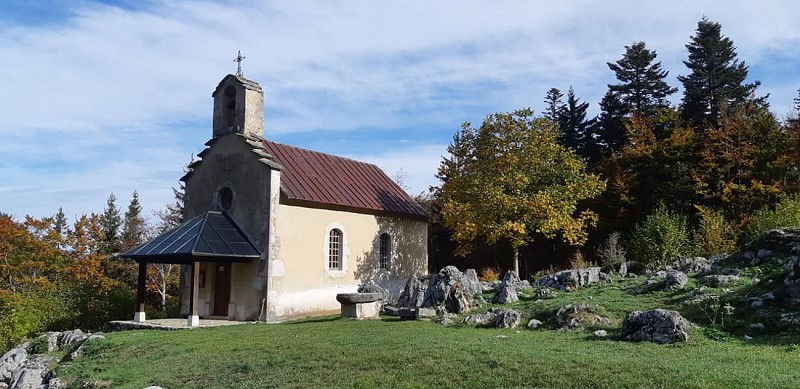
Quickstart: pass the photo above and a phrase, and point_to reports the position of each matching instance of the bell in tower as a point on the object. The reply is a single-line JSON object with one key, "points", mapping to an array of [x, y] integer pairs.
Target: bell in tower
{"points": [[238, 107]]}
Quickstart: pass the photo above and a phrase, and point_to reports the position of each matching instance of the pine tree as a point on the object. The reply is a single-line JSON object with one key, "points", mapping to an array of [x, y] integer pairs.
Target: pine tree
{"points": [[553, 104], [134, 228], [642, 87], [60, 222], [794, 116], [610, 125], [576, 131], [110, 222], [172, 214], [717, 77]]}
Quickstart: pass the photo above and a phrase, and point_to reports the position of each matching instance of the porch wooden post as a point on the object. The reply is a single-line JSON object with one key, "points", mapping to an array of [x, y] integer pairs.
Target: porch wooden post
{"points": [[194, 318], [139, 315]]}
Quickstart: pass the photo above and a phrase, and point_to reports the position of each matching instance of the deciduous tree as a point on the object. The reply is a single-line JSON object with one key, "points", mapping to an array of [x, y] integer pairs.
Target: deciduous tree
{"points": [[511, 180]]}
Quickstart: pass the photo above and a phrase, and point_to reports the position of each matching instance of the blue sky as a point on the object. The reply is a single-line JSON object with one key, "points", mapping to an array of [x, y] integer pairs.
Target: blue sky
{"points": [[115, 96]]}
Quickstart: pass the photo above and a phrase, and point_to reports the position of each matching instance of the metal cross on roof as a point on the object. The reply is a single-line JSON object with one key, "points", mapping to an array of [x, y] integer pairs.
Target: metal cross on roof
{"points": [[239, 58]]}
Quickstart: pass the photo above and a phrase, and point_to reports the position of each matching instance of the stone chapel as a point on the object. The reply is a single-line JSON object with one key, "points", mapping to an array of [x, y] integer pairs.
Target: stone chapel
{"points": [[274, 231]]}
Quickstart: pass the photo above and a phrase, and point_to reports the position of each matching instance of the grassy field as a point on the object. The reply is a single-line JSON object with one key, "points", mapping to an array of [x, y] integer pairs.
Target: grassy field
{"points": [[333, 352]]}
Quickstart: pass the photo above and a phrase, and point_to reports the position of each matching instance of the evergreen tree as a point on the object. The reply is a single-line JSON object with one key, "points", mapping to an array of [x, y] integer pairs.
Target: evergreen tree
{"points": [[576, 131], [60, 222], [172, 214], [134, 228], [717, 77], [610, 125], [642, 87], [797, 101], [794, 116], [110, 222], [553, 104]]}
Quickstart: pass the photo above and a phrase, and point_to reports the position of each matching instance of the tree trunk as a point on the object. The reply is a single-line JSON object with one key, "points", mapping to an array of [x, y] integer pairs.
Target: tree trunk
{"points": [[516, 260]]}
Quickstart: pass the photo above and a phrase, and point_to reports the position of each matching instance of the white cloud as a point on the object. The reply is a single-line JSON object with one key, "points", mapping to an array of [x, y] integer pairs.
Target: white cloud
{"points": [[116, 99]]}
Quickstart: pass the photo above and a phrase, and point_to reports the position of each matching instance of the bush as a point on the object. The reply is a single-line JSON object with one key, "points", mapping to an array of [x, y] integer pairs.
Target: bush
{"points": [[660, 239], [714, 235], [24, 316], [611, 252], [785, 214], [578, 261], [489, 274]]}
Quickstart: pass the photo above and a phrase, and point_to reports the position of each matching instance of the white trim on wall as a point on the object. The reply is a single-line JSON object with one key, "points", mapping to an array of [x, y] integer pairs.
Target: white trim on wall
{"points": [[345, 250]]}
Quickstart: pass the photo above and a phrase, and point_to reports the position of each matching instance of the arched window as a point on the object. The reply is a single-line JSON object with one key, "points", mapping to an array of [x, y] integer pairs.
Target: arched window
{"points": [[384, 251], [335, 249]]}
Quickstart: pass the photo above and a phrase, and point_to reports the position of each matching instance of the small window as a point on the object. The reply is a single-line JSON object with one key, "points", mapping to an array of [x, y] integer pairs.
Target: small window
{"points": [[225, 198], [335, 250], [228, 106], [384, 251]]}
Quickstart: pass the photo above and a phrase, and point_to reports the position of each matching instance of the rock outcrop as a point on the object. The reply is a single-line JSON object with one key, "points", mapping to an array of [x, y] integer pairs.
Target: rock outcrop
{"points": [[449, 289], [675, 280], [506, 318], [659, 325], [506, 294], [22, 368], [578, 316], [574, 278], [413, 294]]}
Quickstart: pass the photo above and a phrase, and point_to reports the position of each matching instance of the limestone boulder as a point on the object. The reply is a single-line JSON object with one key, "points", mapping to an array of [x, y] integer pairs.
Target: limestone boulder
{"points": [[413, 294], [34, 374], [570, 279], [675, 280], [439, 286], [480, 319], [659, 326], [11, 361], [545, 293], [716, 280], [447, 288], [578, 316], [471, 283], [78, 352], [459, 300], [506, 294], [506, 318], [534, 324], [691, 264]]}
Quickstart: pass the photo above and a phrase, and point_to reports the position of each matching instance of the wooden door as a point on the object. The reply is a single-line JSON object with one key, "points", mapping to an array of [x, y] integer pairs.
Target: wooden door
{"points": [[222, 288]]}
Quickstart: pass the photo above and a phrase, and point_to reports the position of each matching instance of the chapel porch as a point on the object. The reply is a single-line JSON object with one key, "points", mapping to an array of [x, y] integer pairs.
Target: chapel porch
{"points": [[212, 240]]}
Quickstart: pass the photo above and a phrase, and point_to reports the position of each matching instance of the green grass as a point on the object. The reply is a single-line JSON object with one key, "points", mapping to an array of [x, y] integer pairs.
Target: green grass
{"points": [[331, 352], [334, 352]]}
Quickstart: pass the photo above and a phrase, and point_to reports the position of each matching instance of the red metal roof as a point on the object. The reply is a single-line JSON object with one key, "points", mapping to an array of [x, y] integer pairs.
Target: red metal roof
{"points": [[313, 178]]}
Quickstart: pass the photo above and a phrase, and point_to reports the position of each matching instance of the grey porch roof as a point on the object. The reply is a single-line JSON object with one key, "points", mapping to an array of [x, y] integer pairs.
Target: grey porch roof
{"points": [[210, 237]]}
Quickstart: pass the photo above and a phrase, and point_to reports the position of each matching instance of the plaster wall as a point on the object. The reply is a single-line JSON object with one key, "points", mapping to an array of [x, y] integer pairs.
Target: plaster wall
{"points": [[229, 162], [300, 282]]}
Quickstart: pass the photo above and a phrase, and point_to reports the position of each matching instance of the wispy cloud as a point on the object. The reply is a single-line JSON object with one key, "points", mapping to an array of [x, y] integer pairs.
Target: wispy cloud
{"points": [[109, 97]]}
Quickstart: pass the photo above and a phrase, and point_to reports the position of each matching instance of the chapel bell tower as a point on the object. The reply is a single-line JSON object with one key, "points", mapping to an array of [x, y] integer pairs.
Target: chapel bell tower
{"points": [[238, 107]]}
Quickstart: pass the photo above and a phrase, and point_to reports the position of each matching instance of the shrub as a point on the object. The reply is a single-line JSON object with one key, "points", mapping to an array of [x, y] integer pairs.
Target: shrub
{"points": [[611, 252], [489, 274], [714, 235], [578, 261], [23, 316], [660, 239], [785, 214]]}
